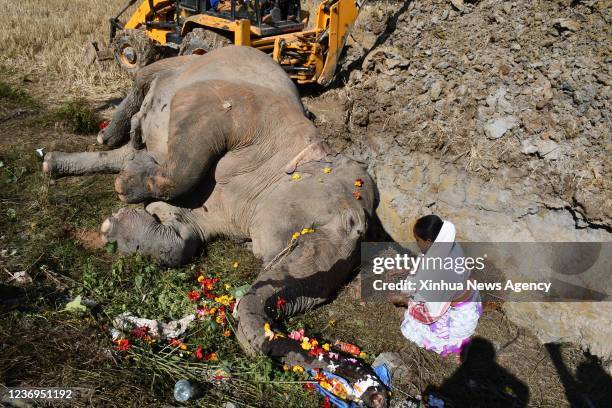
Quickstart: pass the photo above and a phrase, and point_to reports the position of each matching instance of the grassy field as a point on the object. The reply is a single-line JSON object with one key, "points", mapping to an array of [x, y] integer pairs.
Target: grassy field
{"points": [[49, 99]]}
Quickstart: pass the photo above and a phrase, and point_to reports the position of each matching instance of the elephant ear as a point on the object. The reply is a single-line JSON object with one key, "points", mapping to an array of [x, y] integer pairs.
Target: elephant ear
{"points": [[312, 152]]}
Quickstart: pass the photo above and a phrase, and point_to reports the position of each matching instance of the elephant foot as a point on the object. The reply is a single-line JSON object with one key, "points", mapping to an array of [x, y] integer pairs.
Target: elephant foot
{"points": [[137, 181], [136, 230]]}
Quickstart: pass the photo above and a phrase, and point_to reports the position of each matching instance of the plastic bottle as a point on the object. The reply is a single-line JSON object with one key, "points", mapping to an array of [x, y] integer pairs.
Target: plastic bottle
{"points": [[184, 390]]}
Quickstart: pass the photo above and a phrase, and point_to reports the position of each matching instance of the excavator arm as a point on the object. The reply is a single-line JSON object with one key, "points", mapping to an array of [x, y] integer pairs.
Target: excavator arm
{"points": [[335, 19]]}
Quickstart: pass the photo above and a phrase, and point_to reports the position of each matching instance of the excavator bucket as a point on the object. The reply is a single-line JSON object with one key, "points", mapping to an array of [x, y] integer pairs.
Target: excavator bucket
{"points": [[96, 53]]}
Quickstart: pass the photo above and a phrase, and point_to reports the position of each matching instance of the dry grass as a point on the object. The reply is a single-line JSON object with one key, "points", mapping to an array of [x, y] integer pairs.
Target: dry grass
{"points": [[45, 42]]}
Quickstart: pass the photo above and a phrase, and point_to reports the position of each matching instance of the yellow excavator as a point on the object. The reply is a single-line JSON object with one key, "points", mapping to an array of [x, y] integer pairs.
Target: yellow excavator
{"points": [[161, 28]]}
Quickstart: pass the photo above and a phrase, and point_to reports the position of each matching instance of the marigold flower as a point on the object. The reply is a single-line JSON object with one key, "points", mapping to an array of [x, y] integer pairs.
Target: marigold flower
{"points": [[357, 195], [280, 303], [306, 345], [227, 333], [314, 342], [220, 319], [200, 278], [327, 170], [224, 299], [122, 344], [358, 182], [326, 347], [268, 332], [193, 295], [298, 369], [296, 176], [199, 353], [310, 386], [140, 332], [183, 346]]}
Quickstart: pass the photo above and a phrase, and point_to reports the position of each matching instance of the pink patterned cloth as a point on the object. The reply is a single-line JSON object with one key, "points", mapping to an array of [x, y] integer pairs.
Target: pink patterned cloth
{"points": [[445, 334]]}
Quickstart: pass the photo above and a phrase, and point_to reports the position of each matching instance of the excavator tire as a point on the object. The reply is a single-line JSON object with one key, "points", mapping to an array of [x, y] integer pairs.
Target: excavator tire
{"points": [[133, 50], [200, 41]]}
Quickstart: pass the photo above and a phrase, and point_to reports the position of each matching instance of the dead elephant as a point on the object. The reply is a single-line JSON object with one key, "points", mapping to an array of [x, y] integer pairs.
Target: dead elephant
{"points": [[227, 133]]}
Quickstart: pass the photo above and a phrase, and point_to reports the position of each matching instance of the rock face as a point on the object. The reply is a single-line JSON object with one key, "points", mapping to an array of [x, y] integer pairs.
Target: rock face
{"points": [[495, 115]]}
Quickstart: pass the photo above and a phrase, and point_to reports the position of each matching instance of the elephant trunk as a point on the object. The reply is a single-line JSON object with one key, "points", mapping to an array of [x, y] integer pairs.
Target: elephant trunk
{"points": [[304, 278]]}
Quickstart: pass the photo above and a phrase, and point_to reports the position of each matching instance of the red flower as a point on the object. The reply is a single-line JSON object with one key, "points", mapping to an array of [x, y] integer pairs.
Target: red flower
{"points": [[140, 332], [357, 195], [199, 353], [122, 344], [310, 386], [103, 124], [212, 356], [232, 305], [280, 303], [326, 403], [193, 295]]}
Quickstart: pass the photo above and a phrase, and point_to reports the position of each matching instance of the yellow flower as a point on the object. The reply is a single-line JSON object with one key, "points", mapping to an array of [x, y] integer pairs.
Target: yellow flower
{"points": [[295, 235], [227, 286], [183, 346], [306, 345], [235, 264], [307, 231], [326, 347], [285, 367], [298, 369], [224, 300], [362, 355], [326, 385], [219, 319], [296, 176], [200, 278], [268, 332], [327, 170], [314, 343]]}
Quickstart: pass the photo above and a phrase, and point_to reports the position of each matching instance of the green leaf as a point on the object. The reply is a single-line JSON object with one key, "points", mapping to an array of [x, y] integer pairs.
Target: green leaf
{"points": [[75, 305], [111, 247], [240, 291], [138, 279]]}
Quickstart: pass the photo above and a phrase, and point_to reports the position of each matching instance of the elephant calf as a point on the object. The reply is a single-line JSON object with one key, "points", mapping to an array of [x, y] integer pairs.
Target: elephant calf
{"points": [[226, 136]]}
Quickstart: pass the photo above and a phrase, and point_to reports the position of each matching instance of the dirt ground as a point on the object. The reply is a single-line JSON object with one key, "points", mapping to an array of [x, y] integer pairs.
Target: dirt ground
{"points": [[49, 99]]}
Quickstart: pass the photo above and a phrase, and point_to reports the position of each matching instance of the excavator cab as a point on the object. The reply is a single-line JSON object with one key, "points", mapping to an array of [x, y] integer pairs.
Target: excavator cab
{"points": [[161, 28]]}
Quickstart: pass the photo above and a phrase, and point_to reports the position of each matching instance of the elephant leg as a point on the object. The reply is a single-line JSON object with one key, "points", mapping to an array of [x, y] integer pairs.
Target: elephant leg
{"points": [[58, 164], [196, 140], [308, 274], [119, 128], [161, 231]]}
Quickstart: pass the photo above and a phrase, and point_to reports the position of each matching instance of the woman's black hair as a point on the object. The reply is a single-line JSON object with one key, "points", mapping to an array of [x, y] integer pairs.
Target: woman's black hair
{"points": [[428, 227]]}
